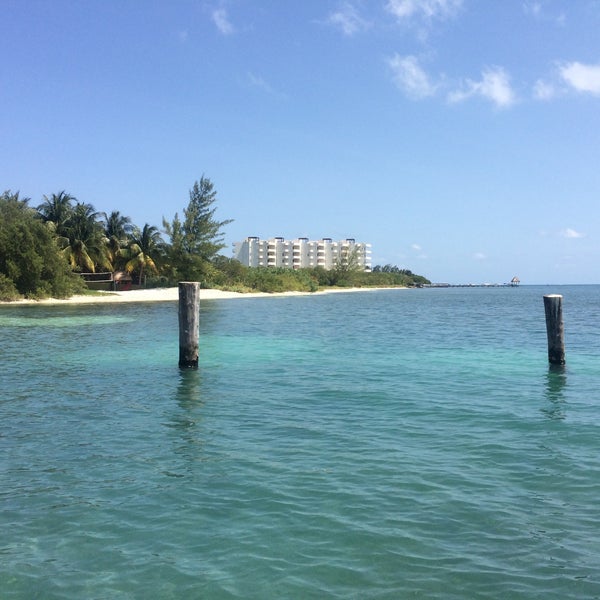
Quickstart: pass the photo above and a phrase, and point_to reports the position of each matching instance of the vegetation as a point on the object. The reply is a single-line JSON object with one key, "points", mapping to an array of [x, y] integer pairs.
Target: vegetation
{"points": [[32, 264], [195, 241], [144, 251], [44, 250], [117, 228]]}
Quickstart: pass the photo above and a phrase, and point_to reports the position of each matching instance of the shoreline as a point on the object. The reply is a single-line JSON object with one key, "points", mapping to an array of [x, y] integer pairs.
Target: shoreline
{"points": [[172, 295]]}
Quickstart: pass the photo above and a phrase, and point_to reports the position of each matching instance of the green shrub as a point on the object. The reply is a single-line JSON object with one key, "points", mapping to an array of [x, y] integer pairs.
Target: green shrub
{"points": [[8, 291], [29, 255]]}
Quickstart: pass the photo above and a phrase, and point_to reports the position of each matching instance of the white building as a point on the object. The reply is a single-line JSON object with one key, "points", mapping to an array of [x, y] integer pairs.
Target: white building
{"points": [[301, 253]]}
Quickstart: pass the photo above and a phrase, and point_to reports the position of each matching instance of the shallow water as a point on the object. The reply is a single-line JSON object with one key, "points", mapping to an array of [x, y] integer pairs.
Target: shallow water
{"points": [[389, 444]]}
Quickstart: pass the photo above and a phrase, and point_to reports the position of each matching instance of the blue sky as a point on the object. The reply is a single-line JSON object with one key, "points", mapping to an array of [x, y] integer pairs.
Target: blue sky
{"points": [[461, 138]]}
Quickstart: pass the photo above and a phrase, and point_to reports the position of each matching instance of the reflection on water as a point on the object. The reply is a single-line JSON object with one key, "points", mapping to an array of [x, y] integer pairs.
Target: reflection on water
{"points": [[187, 399], [185, 421], [188, 388], [556, 379]]}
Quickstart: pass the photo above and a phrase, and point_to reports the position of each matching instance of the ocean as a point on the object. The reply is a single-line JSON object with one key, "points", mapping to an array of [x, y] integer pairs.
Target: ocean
{"points": [[379, 444]]}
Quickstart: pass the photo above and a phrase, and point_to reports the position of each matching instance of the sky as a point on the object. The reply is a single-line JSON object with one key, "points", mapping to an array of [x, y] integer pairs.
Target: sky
{"points": [[461, 138]]}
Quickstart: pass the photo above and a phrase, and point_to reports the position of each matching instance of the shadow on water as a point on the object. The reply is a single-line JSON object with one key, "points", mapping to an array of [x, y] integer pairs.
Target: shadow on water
{"points": [[556, 379]]}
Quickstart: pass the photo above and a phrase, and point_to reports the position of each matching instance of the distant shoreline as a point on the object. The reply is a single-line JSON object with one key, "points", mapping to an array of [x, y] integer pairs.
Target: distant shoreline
{"points": [[172, 295]]}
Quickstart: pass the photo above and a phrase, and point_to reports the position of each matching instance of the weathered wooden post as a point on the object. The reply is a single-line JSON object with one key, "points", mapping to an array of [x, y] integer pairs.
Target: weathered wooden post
{"points": [[189, 324], [555, 329]]}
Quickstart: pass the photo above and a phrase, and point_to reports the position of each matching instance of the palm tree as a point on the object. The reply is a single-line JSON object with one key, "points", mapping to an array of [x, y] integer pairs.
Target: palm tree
{"points": [[13, 198], [117, 225], [144, 251], [116, 228], [57, 209], [84, 242], [78, 256]]}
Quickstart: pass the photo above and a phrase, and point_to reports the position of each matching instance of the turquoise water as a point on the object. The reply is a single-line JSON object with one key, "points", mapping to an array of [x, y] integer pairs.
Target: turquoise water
{"points": [[388, 444]]}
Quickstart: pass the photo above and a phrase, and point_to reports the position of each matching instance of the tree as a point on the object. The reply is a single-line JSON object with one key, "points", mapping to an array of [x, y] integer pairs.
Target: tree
{"points": [[346, 265], [31, 263], [80, 233], [117, 225], [84, 242], [117, 228], [196, 241], [144, 251], [57, 209]]}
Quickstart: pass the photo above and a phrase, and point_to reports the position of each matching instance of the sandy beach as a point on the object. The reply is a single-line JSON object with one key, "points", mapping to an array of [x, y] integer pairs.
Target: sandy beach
{"points": [[171, 295]]}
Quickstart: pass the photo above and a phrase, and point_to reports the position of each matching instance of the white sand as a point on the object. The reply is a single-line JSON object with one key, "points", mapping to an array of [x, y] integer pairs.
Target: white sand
{"points": [[172, 294]]}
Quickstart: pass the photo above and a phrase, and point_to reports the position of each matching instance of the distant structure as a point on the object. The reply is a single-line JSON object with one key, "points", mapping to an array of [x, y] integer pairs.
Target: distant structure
{"points": [[301, 253], [515, 281]]}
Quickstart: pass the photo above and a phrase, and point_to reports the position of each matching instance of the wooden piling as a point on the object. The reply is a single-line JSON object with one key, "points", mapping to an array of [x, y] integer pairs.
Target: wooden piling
{"points": [[555, 329], [189, 324]]}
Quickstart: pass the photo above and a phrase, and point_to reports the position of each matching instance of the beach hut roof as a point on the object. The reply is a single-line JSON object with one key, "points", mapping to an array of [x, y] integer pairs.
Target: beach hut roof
{"points": [[121, 276]]}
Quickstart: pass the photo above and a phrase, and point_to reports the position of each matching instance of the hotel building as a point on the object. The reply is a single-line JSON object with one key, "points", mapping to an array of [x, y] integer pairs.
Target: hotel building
{"points": [[300, 253]]}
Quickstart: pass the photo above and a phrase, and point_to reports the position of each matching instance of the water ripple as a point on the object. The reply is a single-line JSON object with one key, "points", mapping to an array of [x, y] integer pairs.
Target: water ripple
{"points": [[407, 456]]}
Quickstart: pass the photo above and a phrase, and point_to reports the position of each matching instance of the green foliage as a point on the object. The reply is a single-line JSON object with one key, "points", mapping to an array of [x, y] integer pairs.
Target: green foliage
{"points": [[57, 209], [87, 247], [117, 229], [231, 275], [8, 291], [229, 272], [195, 241], [29, 256], [37, 248], [79, 231], [391, 275], [271, 280], [347, 270], [145, 250], [117, 226]]}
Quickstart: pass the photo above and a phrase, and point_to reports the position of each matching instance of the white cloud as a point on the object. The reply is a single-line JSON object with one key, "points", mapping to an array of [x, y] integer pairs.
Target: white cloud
{"points": [[258, 82], [539, 13], [543, 90], [429, 9], [419, 254], [348, 19], [479, 256], [410, 77], [532, 8], [494, 86], [582, 78], [571, 233], [221, 20]]}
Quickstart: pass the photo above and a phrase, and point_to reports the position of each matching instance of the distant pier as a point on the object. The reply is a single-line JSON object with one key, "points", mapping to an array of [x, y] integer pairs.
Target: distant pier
{"points": [[514, 282], [467, 285]]}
